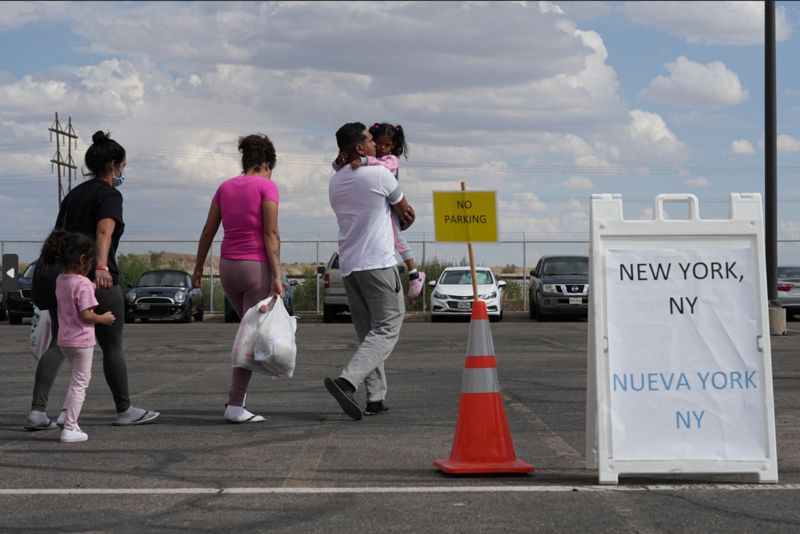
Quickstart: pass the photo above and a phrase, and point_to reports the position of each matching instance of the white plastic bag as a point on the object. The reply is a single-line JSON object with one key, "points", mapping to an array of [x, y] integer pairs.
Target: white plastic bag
{"points": [[41, 333], [254, 331], [274, 347]]}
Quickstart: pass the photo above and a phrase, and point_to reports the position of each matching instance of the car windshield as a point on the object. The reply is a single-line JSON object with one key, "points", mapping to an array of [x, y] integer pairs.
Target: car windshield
{"points": [[465, 277], [162, 280], [788, 272], [29, 271], [566, 267]]}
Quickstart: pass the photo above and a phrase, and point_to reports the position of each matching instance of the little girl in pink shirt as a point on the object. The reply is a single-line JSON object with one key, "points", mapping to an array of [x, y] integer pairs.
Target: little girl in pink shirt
{"points": [[76, 319]]}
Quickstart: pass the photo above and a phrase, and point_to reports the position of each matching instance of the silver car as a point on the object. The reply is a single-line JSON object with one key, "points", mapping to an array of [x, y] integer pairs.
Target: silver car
{"points": [[789, 289]]}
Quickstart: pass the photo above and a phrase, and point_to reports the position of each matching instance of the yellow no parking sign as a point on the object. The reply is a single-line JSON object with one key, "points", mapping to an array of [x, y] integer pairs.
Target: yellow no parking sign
{"points": [[465, 216]]}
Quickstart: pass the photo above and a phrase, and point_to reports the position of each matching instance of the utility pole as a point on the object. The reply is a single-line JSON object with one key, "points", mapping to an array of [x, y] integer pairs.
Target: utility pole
{"points": [[58, 160]]}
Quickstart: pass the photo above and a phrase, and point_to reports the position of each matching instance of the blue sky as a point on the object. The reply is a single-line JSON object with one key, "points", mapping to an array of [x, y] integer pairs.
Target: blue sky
{"points": [[545, 102]]}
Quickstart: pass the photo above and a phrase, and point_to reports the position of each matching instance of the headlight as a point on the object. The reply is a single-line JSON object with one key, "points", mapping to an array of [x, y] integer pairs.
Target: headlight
{"points": [[180, 296], [438, 295], [131, 295], [491, 295], [549, 288]]}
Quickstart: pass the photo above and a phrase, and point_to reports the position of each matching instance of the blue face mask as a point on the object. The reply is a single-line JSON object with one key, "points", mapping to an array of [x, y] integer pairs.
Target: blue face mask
{"points": [[119, 181]]}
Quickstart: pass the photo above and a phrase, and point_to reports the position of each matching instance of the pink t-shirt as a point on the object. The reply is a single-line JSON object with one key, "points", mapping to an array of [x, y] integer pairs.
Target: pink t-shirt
{"points": [[75, 293], [239, 200]]}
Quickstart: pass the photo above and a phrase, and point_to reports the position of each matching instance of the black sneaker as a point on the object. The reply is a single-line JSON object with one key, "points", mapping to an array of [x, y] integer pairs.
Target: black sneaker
{"points": [[374, 408], [345, 394]]}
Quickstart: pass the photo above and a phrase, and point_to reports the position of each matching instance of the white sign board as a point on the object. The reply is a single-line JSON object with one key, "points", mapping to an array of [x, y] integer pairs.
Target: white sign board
{"points": [[679, 361]]}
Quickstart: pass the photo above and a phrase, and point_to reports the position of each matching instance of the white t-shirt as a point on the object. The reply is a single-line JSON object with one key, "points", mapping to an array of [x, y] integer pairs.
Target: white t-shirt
{"points": [[361, 199]]}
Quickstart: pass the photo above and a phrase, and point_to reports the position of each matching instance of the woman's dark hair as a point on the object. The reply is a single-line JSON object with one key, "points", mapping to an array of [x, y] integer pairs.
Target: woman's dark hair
{"points": [[103, 152], [393, 132], [65, 248], [256, 150]]}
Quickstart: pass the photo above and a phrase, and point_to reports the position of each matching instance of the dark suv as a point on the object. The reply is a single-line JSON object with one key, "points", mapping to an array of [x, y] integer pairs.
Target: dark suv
{"points": [[18, 304], [559, 286]]}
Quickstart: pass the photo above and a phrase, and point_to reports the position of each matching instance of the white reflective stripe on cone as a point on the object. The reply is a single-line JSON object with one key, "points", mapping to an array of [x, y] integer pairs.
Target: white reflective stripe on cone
{"points": [[481, 343], [480, 380]]}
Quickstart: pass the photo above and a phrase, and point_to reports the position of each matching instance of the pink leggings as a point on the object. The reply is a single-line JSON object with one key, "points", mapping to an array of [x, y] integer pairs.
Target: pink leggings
{"points": [[245, 283], [80, 358]]}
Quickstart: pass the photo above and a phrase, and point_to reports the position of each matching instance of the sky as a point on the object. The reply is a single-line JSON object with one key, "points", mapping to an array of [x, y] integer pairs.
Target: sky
{"points": [[545, 103]]}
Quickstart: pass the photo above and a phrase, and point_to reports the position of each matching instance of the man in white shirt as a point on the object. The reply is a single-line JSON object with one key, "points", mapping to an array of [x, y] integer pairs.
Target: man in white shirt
{"points": [[362, 199]]}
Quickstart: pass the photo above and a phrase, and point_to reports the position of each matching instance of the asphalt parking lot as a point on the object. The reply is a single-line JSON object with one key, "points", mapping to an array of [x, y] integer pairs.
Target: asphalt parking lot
{"points": [[309, 468]]}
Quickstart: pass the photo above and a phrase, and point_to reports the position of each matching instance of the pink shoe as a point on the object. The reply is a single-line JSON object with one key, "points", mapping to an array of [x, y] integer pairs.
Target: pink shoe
{"points": [[415, 286]]}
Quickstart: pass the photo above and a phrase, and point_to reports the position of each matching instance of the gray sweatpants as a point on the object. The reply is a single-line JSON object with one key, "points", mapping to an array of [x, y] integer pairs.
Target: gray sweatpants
{"points": [[376, 305]]}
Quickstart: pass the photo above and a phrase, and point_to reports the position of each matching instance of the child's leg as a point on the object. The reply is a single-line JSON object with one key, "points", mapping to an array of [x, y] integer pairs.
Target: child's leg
{"points": [[81, 360], [416, 279], [400, 243]]}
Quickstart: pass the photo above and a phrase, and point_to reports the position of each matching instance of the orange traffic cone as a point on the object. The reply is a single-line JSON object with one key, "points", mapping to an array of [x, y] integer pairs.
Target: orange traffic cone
{"points": [[482, 443]]}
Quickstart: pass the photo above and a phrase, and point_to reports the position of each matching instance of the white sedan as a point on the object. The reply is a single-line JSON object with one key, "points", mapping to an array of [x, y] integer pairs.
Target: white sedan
{"points": [[453, 296]]}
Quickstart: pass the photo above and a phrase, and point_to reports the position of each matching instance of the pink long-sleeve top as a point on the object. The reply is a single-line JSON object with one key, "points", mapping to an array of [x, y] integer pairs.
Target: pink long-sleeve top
{"points": [[390, 162]]}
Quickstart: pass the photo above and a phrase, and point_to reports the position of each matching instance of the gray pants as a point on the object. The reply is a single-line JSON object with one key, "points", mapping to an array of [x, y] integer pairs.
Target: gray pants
{"points": [[376, 305]]}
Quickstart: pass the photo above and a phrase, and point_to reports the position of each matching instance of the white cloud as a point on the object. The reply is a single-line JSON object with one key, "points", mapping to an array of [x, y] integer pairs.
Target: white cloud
{"points": [[741, 147], [17, 14], [711, 23], [577, 182], [787, 143], [691, 85], [699, 182]]}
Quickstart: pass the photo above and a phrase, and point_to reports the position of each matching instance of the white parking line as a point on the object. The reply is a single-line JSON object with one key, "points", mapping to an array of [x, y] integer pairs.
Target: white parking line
{"points": [[399, 489]]}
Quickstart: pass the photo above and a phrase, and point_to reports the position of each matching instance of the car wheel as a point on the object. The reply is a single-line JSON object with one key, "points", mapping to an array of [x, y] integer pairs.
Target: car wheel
{"points": [[129, 319], [328, 314], [494, 318], [530, 308], [13, 318], [537, 313], [199, 315], [187, 315], [436, 318]]}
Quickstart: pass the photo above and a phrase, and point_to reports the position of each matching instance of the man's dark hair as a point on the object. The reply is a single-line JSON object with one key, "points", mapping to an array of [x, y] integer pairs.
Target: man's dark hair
{"points": [[349, 135]]}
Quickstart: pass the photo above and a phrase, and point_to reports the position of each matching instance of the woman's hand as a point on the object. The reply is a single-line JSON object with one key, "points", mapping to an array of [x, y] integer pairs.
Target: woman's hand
{"points": [[197, 278], [103, 279], [277, 287]]}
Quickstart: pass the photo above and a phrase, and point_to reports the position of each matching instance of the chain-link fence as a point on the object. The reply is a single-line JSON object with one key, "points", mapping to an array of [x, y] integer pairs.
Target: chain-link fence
{"points": [[511, 261]]}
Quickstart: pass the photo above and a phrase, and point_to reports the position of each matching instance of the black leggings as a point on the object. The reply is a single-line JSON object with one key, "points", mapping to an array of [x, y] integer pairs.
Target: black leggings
{"points": [[110, 340]]}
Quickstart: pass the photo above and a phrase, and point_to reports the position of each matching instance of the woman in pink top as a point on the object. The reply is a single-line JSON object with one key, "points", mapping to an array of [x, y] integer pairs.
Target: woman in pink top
{"points": [[250, 268], [76, 319]]}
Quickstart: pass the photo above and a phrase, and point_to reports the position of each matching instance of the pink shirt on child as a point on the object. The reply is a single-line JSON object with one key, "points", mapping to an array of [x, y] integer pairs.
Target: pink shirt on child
{"points": [[75, 293], [239, 200], [389, 162]]}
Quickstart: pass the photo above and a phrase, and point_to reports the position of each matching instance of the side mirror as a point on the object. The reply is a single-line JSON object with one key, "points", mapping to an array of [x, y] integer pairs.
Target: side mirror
{"points": [[502, 283], [320, 269], [293, 282], [533, 272], [432, 283]]}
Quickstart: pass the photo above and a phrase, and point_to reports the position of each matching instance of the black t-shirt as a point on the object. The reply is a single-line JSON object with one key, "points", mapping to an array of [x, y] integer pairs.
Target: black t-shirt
{"points": [[84, 206]]}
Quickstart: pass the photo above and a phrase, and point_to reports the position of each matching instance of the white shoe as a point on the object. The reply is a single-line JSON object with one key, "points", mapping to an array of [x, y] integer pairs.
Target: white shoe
{"points": [[61, 418], [73, 436], [238, 414]]}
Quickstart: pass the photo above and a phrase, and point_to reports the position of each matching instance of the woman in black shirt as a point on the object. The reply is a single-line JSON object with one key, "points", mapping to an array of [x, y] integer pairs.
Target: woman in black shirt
{"points": [[93, 208]]}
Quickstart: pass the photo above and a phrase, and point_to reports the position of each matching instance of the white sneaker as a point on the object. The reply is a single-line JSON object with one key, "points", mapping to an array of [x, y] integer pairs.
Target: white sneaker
{"points": [[73, 436], [61, 418], [238, 414]]}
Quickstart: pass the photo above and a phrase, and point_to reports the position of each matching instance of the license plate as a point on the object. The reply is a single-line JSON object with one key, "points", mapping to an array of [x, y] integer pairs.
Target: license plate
{"points": [[143, 306], [575, 300], [465, 305]]}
